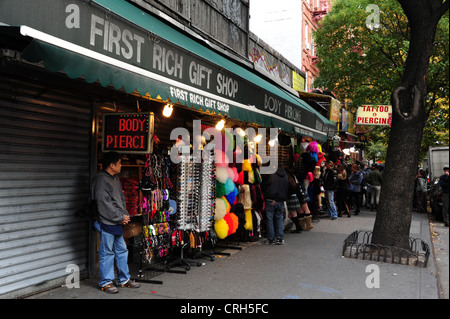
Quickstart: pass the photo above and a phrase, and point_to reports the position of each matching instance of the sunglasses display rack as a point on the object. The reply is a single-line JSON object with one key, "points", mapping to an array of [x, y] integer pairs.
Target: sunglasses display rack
{"points": [[187, 222], [188, 194], [195, 202], [207, 203], [207, 192]]}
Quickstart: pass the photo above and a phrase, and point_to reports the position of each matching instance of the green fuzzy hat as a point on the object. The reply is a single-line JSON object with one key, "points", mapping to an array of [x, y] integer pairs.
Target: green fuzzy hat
{"points": [[220, 189]]}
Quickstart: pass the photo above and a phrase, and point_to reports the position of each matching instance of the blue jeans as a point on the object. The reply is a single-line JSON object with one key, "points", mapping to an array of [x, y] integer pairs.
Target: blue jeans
{"points": [[112, 249], [330, 204], [274, 211]]}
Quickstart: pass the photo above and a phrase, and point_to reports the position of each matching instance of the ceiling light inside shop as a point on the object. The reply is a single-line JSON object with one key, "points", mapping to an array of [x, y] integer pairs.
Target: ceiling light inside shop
{"points": [[273, 142], [258, 138], [220, 125], [168, 109], [240, 131]]}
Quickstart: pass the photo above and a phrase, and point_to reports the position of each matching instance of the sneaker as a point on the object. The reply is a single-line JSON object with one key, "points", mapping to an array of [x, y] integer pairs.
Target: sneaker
{"points": [[109, 289], [131, 284], [269, 241], [280, 241]]}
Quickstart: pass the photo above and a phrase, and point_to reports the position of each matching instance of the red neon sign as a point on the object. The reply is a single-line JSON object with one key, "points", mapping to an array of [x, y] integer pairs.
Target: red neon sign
{"points": [[126, 133]]}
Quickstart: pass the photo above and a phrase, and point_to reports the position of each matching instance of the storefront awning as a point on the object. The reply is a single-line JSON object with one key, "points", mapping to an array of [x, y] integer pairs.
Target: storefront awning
{"points": [[134, 51]]}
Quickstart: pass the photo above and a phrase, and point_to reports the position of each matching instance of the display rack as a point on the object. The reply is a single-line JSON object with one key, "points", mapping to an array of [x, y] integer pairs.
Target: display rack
{"points": [[195, 202]]}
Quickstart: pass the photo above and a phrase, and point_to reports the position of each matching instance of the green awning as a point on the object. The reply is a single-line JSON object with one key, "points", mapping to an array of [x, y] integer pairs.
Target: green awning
{"points": [[56, 59]]}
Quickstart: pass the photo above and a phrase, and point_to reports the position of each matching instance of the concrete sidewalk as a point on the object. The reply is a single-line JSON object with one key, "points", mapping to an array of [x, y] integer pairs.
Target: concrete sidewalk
{"points": [[440, 243], [309, 266]]}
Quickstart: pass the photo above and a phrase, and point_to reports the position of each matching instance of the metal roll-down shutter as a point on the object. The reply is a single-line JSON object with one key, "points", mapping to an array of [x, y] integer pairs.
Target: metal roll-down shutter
{"points": [[44, 179]]}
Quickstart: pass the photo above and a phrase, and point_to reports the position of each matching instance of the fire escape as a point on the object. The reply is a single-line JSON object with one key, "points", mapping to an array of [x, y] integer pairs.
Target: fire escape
{"points": [[318, 14]]}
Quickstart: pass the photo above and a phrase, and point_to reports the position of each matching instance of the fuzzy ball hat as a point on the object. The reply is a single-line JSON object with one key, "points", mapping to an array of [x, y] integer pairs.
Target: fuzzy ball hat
{"points": [[227, 205], [221, 159], [247, 166], [312, 147], [231, 197], [240, 179], [230, 173], [235, 174], [220, 189], [221, 209], [234, 224], [222, 174], [221, 227], [229, 186]]}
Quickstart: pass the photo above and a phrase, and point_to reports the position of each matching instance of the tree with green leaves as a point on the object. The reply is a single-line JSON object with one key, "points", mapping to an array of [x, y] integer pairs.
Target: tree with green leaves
{"points": [[381, 52]]}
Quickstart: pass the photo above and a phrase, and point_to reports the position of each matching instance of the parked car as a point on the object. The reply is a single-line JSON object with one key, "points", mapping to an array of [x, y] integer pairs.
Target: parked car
{"points": [[436, 199]]}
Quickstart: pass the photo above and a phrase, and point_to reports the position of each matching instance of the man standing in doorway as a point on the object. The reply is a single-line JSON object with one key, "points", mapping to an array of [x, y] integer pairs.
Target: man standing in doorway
{"points": [[112, 216]]}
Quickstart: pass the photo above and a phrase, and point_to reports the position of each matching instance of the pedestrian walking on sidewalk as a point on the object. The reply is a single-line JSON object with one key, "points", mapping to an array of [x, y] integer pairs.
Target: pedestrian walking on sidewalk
{"points": [[330, 186], [304, 199], [293, 204], [443, 182], [421, 191], [355, 180], [275, 187], [366, 185], [342, 191], [375, 181], [112, 216], [316, 204]]}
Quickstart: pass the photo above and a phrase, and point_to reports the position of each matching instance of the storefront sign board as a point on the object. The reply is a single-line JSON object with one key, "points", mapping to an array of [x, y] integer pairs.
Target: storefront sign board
{"points": [[380, 115], [129, 133]]}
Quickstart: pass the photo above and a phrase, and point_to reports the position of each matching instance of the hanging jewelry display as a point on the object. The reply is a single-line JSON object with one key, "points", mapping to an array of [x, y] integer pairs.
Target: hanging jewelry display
{"points": [[155, 208]]}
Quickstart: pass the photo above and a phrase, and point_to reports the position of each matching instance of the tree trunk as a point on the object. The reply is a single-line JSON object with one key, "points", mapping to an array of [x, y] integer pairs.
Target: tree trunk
{"points": [[394, 213]]}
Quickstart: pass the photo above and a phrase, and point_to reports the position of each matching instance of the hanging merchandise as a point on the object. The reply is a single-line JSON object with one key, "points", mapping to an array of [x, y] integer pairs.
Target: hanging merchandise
{"points": [[225, 221], [130, 189], [156, 208], [238, 193], [195, 198]]}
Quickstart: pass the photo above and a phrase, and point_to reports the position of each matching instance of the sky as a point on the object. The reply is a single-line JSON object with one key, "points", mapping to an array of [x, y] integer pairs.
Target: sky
{"points": [[278, 23]]}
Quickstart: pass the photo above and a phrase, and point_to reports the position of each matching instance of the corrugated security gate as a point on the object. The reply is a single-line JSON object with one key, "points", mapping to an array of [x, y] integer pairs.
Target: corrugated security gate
{"points": [[44, 179]]}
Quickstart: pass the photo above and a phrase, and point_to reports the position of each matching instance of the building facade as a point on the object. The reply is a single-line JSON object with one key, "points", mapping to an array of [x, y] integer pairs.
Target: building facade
{"points": [[312, 12]]}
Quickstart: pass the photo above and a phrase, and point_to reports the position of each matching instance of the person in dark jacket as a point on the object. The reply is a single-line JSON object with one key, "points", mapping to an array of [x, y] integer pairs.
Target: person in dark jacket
{"points": [[375, 181], [293, 204], [355, 180], [276, 189], [330, 182], [421, 191], [112, 216]]}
